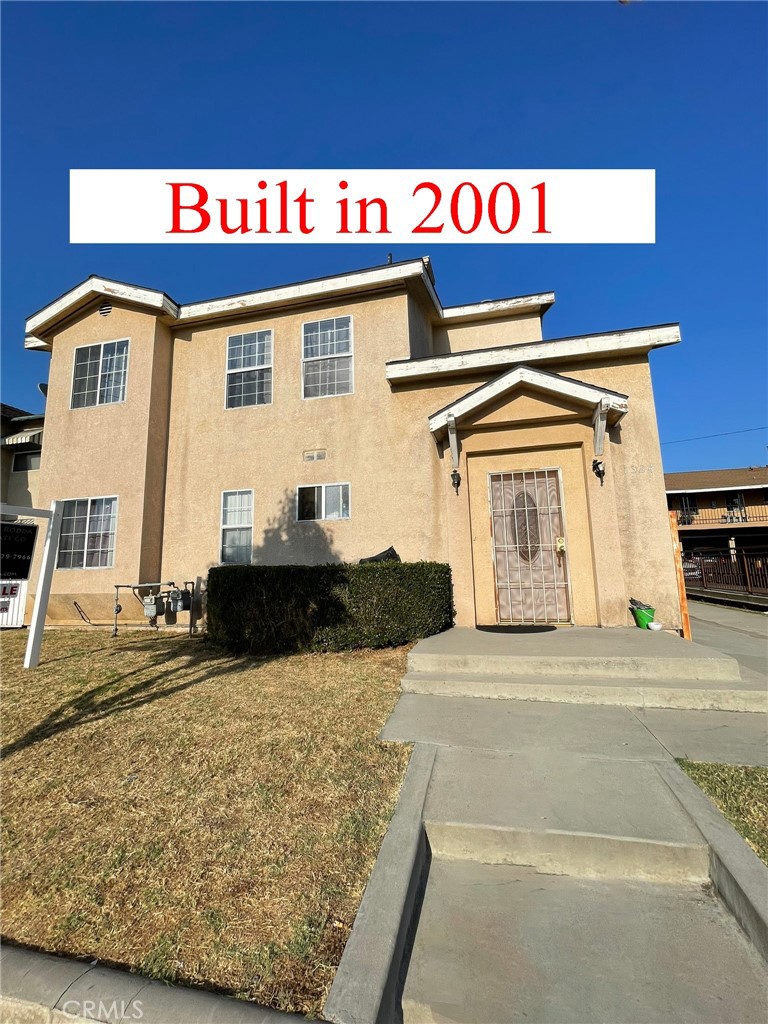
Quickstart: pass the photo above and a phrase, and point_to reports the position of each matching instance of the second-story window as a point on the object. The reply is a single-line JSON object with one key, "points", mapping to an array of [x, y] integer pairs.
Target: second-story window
{"points": [[327, 358], [100, 373], [249, 369]]}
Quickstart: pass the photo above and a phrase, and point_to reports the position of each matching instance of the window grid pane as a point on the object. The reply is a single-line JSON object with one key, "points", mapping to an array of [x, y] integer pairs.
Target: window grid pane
{"points": [[326, 377], [100, 374], [236, 544], [237, 508], [86, 379], [236, 526], [249, 369], [88, 533], [327, 337], [113, 370], [249, 387]]}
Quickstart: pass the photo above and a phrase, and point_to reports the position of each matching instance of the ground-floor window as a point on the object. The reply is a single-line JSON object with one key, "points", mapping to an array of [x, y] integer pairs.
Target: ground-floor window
{"points": [[88, 534], [236, 526], [322, 501]]}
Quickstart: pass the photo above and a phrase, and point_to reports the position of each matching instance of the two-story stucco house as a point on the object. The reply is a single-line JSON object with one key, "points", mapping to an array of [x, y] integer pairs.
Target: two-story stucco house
{"points": [[330, 419]]}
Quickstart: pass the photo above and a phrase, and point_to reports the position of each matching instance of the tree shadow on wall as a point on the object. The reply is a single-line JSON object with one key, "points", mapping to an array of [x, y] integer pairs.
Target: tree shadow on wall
{"points": [[288, 542], [275, 612]]}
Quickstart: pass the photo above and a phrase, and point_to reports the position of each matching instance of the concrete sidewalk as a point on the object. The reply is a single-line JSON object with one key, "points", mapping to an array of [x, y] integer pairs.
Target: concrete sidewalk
{"points": [[614, 733], [733, 631], [568, 883]]}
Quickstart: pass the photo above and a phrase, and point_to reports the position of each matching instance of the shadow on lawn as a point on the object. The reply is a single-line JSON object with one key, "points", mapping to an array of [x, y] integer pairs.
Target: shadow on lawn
{"points": [[102, 701]]}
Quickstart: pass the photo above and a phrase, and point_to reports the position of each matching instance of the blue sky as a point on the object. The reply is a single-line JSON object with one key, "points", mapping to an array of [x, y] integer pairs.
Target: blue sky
{"points": [[680, 87]]}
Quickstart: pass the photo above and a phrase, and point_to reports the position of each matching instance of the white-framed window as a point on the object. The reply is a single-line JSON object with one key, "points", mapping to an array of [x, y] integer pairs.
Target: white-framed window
{"points": [[24, 462], [326, 365], [322, 501], [99, 374], [236, 526], [88, 529], [249, 369]]}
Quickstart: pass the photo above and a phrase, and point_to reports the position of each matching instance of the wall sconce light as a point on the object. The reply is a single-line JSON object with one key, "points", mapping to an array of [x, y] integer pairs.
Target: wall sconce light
{"points": [[598, 468], [456, 480]]}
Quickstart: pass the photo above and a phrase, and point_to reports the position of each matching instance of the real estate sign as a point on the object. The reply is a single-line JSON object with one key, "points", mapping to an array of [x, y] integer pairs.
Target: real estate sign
{"points": [[17, 545]]}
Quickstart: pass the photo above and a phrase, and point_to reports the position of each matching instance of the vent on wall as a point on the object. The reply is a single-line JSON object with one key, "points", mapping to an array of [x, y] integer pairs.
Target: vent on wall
{"points": [[314, 456], [105, 309]]}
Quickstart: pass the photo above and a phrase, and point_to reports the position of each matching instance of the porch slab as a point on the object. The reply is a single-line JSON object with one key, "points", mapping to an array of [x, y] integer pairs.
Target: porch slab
{"points": [[575, 651]]}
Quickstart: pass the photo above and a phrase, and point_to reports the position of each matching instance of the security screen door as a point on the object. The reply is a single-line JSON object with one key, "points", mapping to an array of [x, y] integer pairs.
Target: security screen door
{"points": [[529, 556]]}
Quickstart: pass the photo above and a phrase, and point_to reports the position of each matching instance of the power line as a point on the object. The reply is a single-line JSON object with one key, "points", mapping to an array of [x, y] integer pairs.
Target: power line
{"points": [[705, 437]]}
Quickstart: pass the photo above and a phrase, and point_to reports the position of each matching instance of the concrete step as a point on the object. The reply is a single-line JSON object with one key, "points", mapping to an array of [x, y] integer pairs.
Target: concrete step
{"points": [[565, 815], [578, 854], [577, 653], [639, 692], [498, 943]]}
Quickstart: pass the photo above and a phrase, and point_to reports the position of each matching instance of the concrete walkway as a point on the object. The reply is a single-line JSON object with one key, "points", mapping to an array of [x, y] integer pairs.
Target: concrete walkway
{"points": [[568, 883], [733, 631]]}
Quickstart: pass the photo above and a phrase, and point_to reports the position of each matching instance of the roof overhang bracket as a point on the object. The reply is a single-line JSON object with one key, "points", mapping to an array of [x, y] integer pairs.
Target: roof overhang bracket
{"points": [[599, 423], [453, 441]]}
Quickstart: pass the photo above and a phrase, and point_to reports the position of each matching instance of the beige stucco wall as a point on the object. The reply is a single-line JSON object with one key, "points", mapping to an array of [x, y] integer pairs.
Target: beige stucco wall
{"points": [[105, 450], [514, 330], [172, 447], [21, 488], [376, 442]]}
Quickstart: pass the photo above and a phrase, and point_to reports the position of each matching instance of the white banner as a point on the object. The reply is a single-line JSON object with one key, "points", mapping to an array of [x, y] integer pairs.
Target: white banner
{"points": [[357, 206]]}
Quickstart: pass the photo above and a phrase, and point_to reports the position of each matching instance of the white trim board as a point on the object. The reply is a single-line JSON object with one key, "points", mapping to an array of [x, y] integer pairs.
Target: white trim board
{"points": [[628, 342], [93, 287], [721, 487], [304, 292], [594, 397]]}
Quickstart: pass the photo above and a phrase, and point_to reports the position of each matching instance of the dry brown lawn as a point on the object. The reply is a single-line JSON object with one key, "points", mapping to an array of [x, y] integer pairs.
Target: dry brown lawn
{"points": [[197, 817], [741, 793]]}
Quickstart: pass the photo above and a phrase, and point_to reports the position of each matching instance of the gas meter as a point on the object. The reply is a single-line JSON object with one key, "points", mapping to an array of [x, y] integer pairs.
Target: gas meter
{"points": [[153, 606], [176, 600]]}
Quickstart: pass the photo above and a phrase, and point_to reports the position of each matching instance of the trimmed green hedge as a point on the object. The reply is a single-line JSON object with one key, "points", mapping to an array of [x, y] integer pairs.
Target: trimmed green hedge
{"points": [[275, 609]]}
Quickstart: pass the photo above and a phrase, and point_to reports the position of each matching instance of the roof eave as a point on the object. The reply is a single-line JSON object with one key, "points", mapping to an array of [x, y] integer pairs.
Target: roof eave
{"points": [[634, 341], [614, 404], [42, 323], [304, 293], [494, 309]]}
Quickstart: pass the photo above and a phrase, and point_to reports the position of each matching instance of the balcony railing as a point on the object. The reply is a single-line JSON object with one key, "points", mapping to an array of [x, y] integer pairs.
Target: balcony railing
{"points": [[723, 516], [744, 572]]}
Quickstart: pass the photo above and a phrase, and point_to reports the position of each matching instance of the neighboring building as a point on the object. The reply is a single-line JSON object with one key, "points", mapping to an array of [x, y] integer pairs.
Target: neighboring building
{"points": [[21, 438], [21, 441], [330, 419], [718, 509]]}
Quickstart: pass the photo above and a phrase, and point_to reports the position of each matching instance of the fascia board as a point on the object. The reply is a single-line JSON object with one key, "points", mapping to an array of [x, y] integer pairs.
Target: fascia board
{"points": [[633, 340], [492, 308], [312, 291], [549, 383], [77, 297]]}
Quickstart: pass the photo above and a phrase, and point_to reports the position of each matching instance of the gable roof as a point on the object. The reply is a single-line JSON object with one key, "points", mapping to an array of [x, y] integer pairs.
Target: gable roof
{"points": [[612, 403], [414, 274], [10, 412], [715, 479]]}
